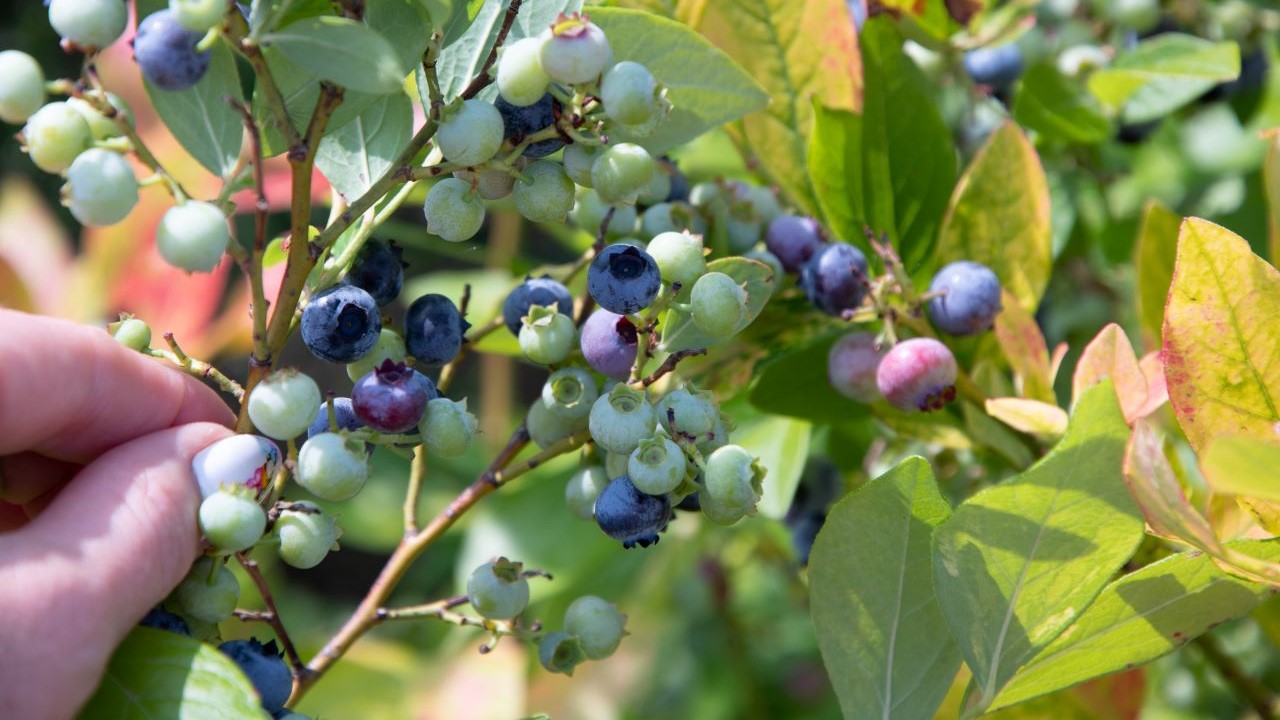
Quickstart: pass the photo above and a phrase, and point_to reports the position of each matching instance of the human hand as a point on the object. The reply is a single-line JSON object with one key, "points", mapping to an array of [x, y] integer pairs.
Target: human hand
{"points": [[97, 502]]}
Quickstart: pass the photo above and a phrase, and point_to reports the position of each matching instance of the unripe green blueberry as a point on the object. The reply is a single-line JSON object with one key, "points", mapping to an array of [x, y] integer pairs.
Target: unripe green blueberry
{"points": [[672, 217], [101, 188], [742, 234], [582, 490], [231, 519], [547, 335], [659, 187], [390, 346], [629, 93], [589, 212], [101, 127], [621, 419], [679, 256], [198, 15], [719, 305], [694, 413], [193, 236], [332, 467], [761, 201], [731, 484], [520, 77], [597, 624], [453, 211], [21, 86], [447, 427], [560, 652], [497, 590], [546, 428], [90, 24], [545, 194], [569, 393], [657, 465], [578, 159], [470, 133], [574, 50], [306, 535], [283, 405], [132, 333], [620, 172], [714, 440], [55, 135], [1080, 60], [491, 183], [208, 593]]}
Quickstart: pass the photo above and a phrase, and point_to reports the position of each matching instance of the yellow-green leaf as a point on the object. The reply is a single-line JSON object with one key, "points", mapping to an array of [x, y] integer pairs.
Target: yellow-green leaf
{"points": [[1153, 485], [1153, 257], [999, 216], [1242, 466], [1271, 181], [1029, 416], [1024, 347], [1164, 73], [1221, 342]]}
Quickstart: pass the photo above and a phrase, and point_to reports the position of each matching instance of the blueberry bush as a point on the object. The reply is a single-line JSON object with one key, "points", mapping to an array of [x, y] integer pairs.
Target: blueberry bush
{"points": [[746, 358]]}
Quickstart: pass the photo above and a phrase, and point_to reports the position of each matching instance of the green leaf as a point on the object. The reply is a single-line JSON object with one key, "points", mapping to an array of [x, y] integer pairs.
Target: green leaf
{"points": [[1153, 260], [1221, 345], [782, 445], [406, 26], [999, 216], [678, 330], [1242, 466], [881, 631], [356, 155], [797, 51], [1058, 108], [300, 88], [1271, 184], [706, 88], [909, 162], [200, 117], [1019, 562], [1164, 73], [835, 169], [341, 51], [157, 674], [1140, 617]]}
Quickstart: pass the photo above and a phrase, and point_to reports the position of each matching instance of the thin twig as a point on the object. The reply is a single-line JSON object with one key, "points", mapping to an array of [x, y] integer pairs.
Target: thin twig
{"points": [[482, 79], [258, 303], [417, 473], [669, 365], [197, 368], [272, 617]]}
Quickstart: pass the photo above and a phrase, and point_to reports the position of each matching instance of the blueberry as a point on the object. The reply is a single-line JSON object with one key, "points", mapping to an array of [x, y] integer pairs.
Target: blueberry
{"points": [[306, 535], [679, 182], [470, 133], [389, 399], [90, 24], [332, 467], [232, 520], [534, 291], [192, 236], [835, 278], [340, 324], [852, 364], [166, 52], [519, 122], [574, 50], [434, 329], [520, 77], [690, 503], [345, 416], [996, 66], [378, 270], [623, 279], [597, 624], [793, 239], [804, 531], [609, 341], [918, 374], [447, 428], [265, 669], [21, 86], [161, 619], [101, 188], [629, 516], [968, 298], [498, 590]]}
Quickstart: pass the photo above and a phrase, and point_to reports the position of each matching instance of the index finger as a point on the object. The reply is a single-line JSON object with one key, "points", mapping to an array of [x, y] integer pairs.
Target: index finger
{"points": [[71, 392]]}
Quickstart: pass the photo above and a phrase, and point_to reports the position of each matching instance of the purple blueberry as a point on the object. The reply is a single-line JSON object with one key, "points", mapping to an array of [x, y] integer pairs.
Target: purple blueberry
{"points": [[623, 279], [534, 291], [968, 298], [390, 399], [835, 278], [679, 182], [793, 239], [996, 66], [629, 516], [434, 329], [166, 52], [340, 324], [342, 412], [378, 270], [918, 374], [265, 668], [852, 364], [519, 122], [608, 342]]}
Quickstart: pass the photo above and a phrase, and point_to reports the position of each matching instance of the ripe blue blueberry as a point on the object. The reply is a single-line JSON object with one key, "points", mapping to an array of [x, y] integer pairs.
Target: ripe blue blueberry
{"points": [[623, 279], [166, 52], [434, 329], [968, 298], [265, 669], [160, 619], [852, 364], [996, 66], [497, 590], [193, 236], [582, 490], [835, 279], [389, 399], [534, 291], [378, 270], [597, 624], [574, 50], [332, 466], [609, 343], [918, 374], [341, 323], [629, 516], [343, 414], [519, 122], [793, 239]]}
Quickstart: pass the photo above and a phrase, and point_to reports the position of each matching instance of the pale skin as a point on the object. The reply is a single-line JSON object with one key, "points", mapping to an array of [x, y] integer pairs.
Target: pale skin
{"points": [[97, 502]]}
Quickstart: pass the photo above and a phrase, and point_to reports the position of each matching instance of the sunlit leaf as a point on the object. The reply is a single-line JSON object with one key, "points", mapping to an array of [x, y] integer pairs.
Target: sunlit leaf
{"points": [[1243, 466], [1024, 347], [1153, 259]]}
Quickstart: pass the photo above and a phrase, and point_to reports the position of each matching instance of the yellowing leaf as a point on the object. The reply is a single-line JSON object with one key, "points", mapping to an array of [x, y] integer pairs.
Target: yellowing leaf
{"points": [[1243, 466], [999, 216], [1029, 416], [1271, 181], [1109, 355], [1155, 488], [1221, 343], [1024, 347]]}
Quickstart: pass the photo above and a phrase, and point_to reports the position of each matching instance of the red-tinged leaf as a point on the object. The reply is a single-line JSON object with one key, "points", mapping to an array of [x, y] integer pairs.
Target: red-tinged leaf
{"points": [[1029, 416], [1155, 488], [1152, 366], [1024, 347], [1110, 355], [1055, 361]]}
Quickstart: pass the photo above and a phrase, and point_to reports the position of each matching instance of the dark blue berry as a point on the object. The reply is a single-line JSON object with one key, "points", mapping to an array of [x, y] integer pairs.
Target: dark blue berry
{"points": [[835, 278], [623, 279], [629, 516], [968, 298], [166, 52], [342, 412], [390, 399], [793, 239], [265, 669], [804, 531], [341, 324], [609, 341], [434, 329], [679, 183], [690, 503], [519, 122], [162, 619], [378, 270], [534, 291], [996, 66]]}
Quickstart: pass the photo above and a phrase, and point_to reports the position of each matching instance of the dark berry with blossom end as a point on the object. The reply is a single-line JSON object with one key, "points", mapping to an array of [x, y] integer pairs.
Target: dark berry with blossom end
{"points": [[166, 52], [265, 669], [389, 399], [918, 374], [609, 342], [793, 239], [852, 364], [623, 279], [835, 279], [378, 270], [340, 324], [534, 291], [520, 122], [967, 298], [629, 516], [434, 329]]}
